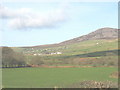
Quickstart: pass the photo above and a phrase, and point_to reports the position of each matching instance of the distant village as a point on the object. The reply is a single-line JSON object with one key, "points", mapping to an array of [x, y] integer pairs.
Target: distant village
{"points": [[38, 52]]}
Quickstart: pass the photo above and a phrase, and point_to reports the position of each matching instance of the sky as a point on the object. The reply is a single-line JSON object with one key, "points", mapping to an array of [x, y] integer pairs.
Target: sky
{"points": [[38, 23]]}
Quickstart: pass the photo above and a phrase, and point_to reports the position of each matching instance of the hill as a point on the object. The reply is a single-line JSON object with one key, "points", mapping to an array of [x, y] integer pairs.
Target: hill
{"points": [[102, 33], [98, 48]]}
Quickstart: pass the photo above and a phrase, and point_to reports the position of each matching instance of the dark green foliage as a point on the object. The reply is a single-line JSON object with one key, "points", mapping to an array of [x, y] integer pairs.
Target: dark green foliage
{"points": [[11, 58]]}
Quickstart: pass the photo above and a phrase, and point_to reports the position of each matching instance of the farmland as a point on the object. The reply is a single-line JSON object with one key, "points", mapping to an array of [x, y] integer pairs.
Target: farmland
{"points": [[54, 77], [88, 61], [90, 53], [72, 63]]}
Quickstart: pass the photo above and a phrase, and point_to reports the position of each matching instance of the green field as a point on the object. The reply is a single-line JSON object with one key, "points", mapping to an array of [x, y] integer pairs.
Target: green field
{"points": [[53, 77], [87, 53], [105, 53]]}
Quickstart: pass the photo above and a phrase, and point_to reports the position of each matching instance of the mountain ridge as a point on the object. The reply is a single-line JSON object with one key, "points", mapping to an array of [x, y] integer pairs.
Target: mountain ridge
{"points": [[102, 33]]}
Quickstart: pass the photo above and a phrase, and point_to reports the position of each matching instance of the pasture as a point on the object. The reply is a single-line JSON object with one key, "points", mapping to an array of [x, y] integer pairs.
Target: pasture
{"points": [[53, 77]]}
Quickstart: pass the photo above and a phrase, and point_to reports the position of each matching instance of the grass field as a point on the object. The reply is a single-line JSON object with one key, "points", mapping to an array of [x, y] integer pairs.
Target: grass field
{"points": [[51, 77], [105, 50], [76, 48]]}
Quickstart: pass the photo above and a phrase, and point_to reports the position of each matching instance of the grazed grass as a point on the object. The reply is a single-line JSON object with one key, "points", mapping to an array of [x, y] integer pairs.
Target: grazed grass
{"points": [[51, 77]]}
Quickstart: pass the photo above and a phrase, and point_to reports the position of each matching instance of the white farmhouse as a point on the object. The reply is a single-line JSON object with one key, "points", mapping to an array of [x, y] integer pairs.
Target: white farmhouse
{"points": [[59, 52], [34, 54]]}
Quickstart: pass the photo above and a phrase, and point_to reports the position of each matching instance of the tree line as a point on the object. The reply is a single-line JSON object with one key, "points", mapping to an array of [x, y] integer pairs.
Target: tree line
{"points": [[10, 58]]}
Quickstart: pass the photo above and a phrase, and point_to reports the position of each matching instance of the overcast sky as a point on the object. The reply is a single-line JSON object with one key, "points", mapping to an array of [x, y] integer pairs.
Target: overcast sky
{"points": [[38, 23]]}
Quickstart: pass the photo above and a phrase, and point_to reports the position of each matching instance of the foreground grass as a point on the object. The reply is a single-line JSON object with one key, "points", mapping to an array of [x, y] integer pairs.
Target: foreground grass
{"points": [[51, 77]]}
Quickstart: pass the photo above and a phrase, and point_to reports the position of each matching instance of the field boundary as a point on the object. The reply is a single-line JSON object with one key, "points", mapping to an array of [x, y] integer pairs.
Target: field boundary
{"points": [[46, 66]]}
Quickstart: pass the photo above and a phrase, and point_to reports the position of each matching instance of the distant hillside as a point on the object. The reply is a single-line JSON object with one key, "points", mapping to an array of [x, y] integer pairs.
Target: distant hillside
{"points": [[103, 33], [99, 48]]}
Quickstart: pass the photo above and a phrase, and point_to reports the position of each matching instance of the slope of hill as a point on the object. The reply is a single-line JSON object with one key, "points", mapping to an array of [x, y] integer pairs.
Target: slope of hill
{"points": [[99, 48], [103, 33], [86, 53]]}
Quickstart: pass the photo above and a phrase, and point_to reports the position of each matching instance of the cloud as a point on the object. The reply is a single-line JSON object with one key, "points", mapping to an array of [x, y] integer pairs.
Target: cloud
{"points": [[42, 20], [27, 18], [5, 12]]}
